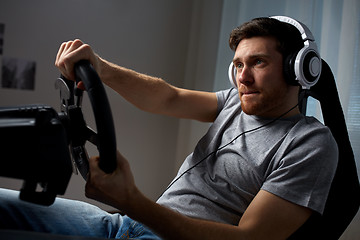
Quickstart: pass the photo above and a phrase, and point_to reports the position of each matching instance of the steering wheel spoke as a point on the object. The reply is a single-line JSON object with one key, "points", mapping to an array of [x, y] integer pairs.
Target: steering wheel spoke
{"points": [[91, 136], [81, 160]]}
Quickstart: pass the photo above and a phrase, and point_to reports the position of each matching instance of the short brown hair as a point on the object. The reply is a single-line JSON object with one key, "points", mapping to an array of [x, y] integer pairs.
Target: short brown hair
{"points": [[288, 36]]}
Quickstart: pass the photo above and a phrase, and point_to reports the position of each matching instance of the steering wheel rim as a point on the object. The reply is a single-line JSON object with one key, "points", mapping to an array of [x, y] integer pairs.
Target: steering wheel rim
{"points": [[106, 140]]}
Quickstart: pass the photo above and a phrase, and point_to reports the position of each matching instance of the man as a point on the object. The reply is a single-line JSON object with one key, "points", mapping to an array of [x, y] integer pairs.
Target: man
{"points": [[258, 173]]}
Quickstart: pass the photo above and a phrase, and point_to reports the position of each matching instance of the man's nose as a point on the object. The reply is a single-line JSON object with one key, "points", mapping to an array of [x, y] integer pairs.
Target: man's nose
{"points": [[244, 76]]}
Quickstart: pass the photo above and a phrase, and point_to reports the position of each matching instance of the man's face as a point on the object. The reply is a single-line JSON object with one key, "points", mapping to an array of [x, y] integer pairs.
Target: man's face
{"points": [[261, 84]]}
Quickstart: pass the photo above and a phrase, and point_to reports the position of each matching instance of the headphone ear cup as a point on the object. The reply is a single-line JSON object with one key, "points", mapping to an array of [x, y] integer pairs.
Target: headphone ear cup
{"points": [[302, 68], [232, 75], [289, 69], [311, 68]]}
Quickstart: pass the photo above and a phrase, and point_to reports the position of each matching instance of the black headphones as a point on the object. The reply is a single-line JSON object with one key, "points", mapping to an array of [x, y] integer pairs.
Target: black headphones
{"points": [[302, 68]]}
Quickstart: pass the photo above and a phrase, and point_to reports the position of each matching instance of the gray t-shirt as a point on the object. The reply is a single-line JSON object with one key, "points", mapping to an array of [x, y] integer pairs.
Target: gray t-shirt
{"points": [[294, 158]]}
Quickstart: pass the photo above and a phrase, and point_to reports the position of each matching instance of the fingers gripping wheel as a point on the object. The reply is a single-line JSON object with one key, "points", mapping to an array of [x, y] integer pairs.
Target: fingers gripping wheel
{"points": [[78, 132], [302, 68]]}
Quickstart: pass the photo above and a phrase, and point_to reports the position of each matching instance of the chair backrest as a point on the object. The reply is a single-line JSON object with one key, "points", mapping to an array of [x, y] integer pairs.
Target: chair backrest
{"points": [[344, 197]]}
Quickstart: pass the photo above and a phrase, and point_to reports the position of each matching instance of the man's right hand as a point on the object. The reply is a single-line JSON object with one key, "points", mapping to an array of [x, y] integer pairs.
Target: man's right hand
{"points": [[70, 53]]}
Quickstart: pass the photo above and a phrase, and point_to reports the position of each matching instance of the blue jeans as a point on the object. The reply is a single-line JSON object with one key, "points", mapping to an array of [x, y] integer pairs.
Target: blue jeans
{"points": [[67, 217]]}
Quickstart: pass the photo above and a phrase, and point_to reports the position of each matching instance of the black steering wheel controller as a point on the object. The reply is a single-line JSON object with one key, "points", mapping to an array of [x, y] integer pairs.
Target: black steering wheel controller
{"points": [[37, 142]]}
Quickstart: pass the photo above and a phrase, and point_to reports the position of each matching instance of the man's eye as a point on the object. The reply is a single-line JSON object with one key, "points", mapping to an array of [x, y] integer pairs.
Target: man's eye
{"points": [[259, 61], [239, 65]]}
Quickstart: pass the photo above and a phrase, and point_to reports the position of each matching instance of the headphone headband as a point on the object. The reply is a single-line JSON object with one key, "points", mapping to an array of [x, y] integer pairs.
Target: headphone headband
{"points": [[303, 29]]}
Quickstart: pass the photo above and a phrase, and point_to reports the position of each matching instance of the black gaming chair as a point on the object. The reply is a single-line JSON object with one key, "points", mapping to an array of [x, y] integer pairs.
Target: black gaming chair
{"points": [[344, 197]]}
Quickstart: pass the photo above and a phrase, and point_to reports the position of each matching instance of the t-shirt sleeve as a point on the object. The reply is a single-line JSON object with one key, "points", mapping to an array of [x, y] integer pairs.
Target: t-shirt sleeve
{"points": [[305, 170], [223, 97]]}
